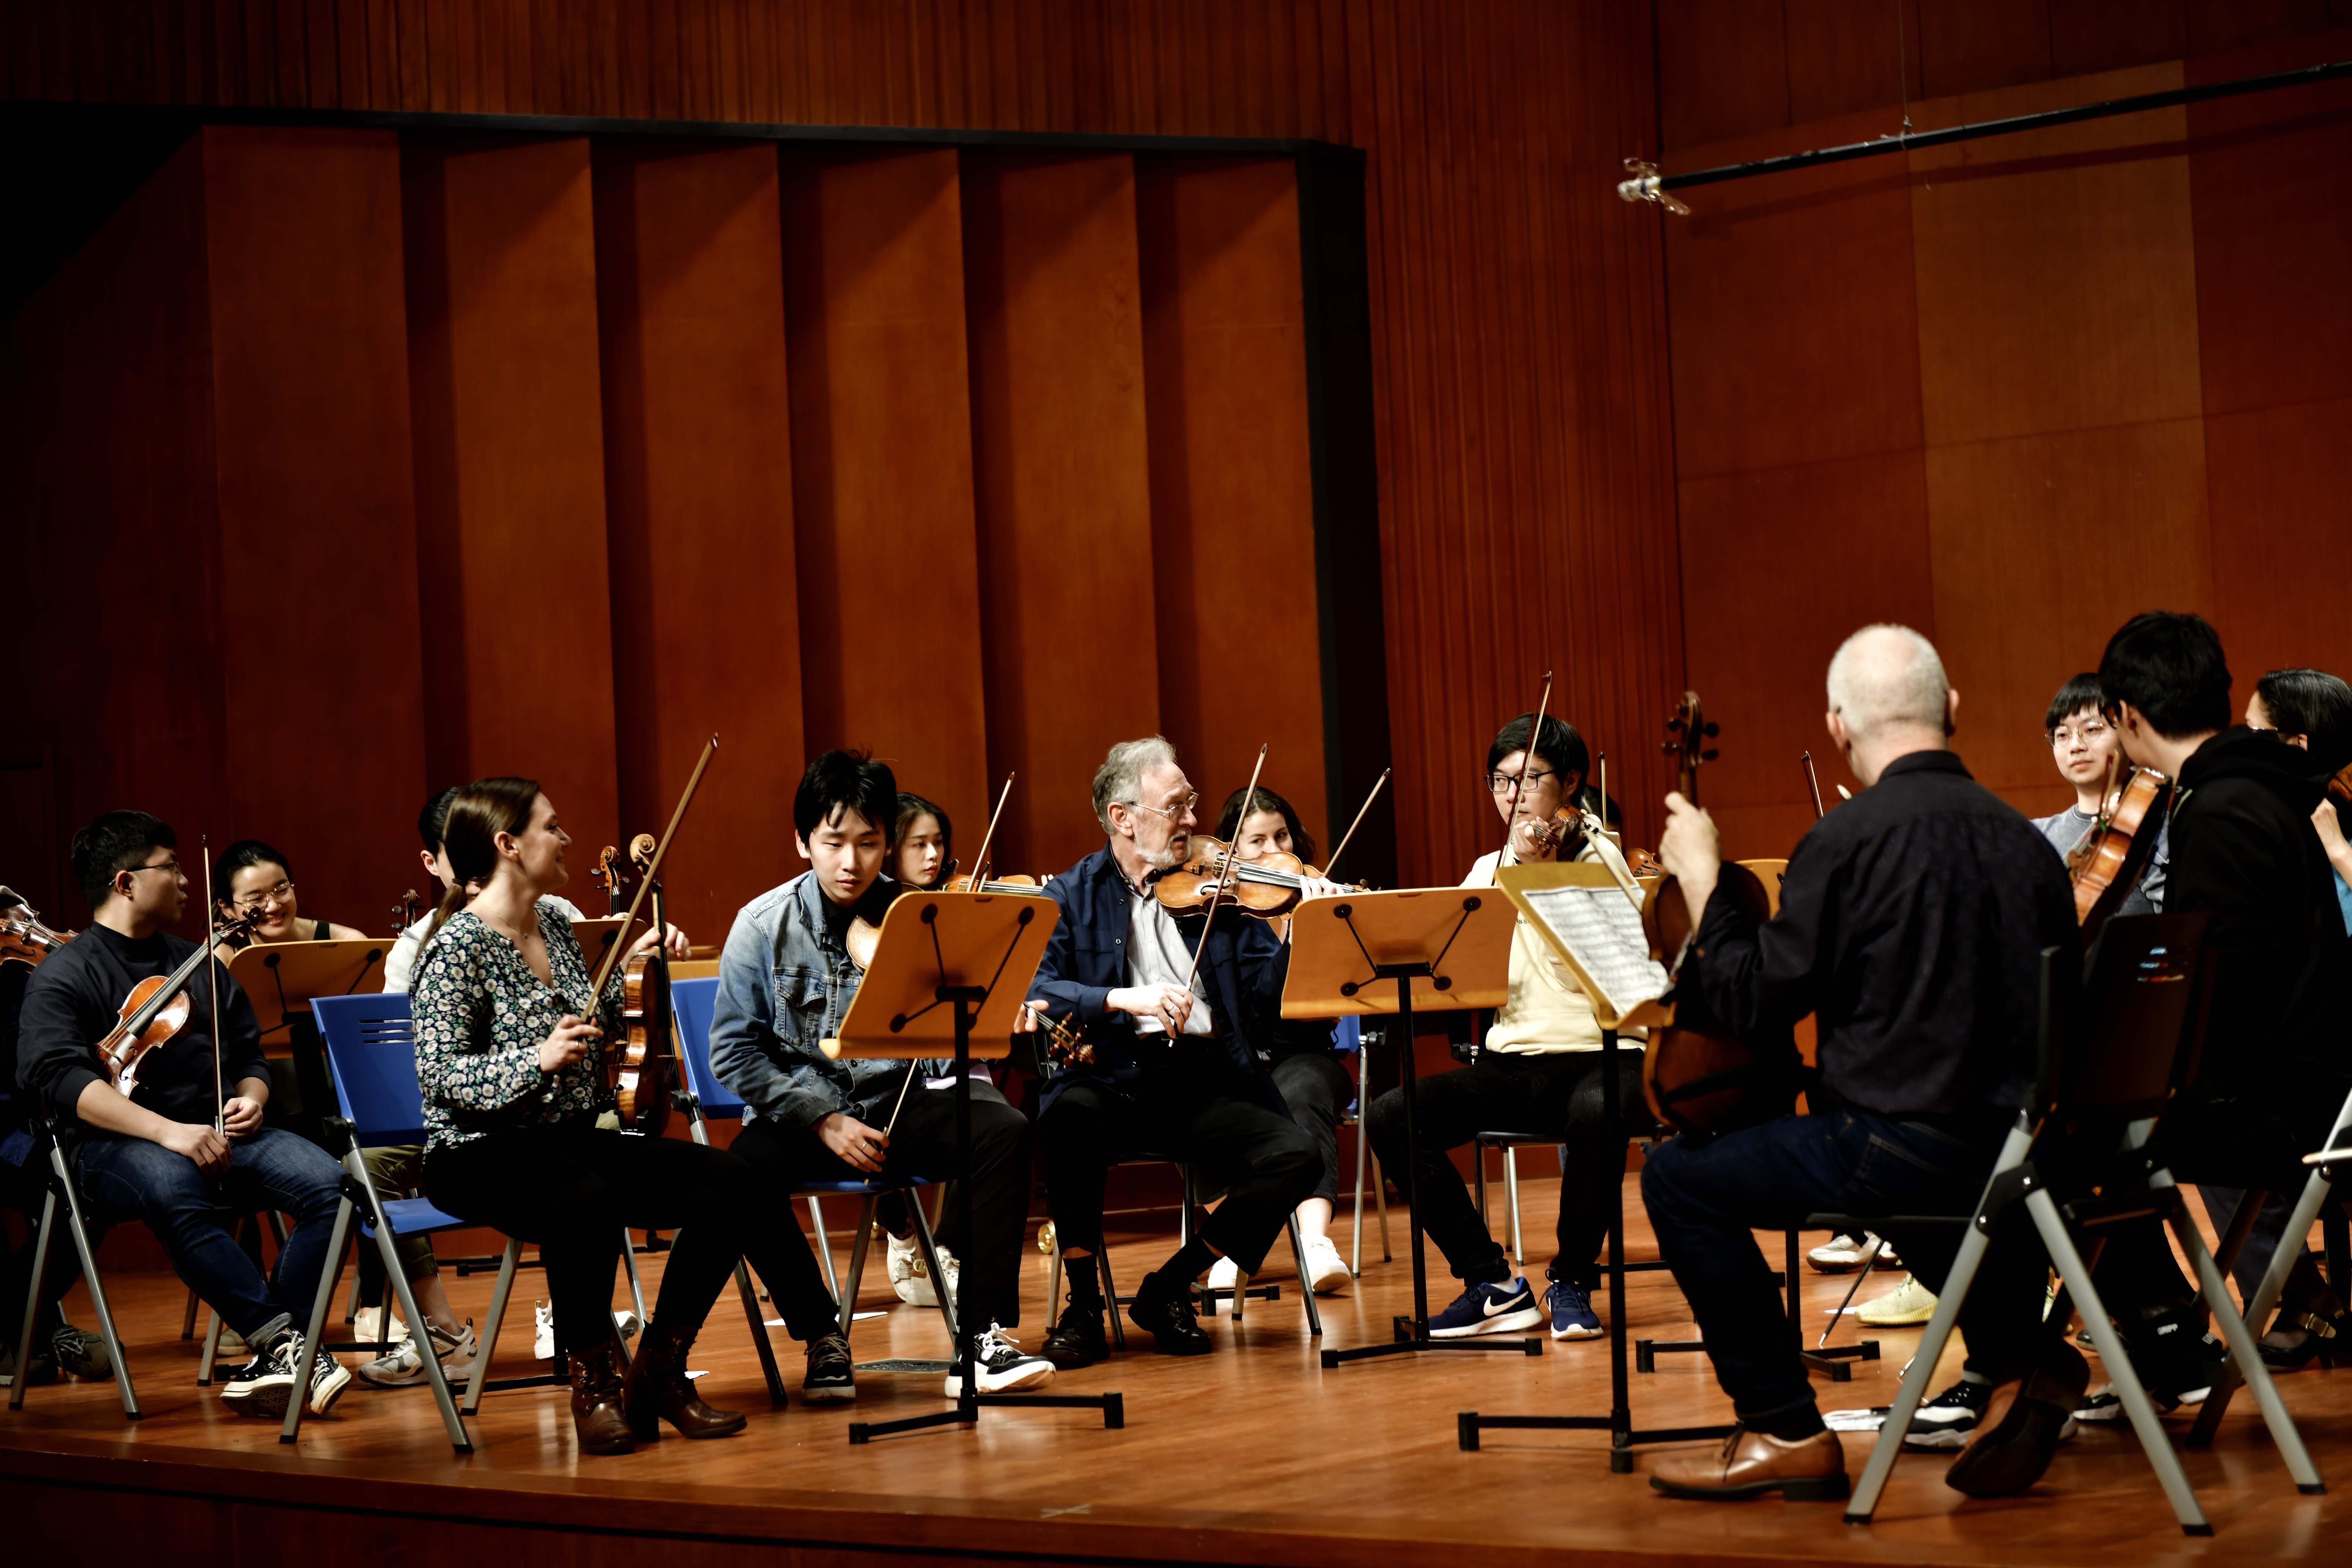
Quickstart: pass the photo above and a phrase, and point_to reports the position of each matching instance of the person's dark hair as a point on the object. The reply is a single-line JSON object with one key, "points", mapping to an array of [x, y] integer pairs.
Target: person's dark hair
{"points": [[847, 780], [1230, 816], [245, 852], [2313, 704], [2170, 666], [477, 814], [116, 842], [913, 806], [429, 821], [1559, 746], [2079, 692]]}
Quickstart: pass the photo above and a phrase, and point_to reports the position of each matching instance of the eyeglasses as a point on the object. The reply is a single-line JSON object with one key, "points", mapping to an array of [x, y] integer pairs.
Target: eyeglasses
{"points": [[171, 866], [1503, 783], [281, 894], [1170, 812], [2067, 734]]}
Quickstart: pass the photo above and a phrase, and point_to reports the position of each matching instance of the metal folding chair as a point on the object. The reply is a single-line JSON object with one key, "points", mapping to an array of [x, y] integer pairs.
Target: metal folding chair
{"points": [[61, 1184]]}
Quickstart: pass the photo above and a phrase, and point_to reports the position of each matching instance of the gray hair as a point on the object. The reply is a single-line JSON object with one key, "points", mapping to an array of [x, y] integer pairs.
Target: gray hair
{"points": [[1120, 777], [1886, 677]]}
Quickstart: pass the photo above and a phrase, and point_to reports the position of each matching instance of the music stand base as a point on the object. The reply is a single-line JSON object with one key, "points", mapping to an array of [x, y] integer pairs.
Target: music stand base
{"points": [[1415, 1344], [1468, 1424], [967, 1412]]}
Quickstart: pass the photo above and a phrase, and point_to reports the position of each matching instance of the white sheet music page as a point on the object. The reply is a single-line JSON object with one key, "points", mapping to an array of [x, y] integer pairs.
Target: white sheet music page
{"points": [[1602, 931]]}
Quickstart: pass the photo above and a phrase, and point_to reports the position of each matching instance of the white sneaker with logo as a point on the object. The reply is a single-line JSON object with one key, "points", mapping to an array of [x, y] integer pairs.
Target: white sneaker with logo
{"points": [[1327, 1272], [1908, 1303], [367, 1324], [1844, 1253], [406, 1363], [1004, 1366], [911, 1278]]}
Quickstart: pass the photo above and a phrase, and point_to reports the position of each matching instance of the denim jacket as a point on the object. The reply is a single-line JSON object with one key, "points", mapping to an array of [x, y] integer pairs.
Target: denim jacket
{"points": [[784, 984]]}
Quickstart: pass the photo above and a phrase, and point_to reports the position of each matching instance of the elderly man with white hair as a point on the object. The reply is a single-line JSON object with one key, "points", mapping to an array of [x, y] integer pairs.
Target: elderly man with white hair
{"points": [[1175, 1070], [1912, 920]]}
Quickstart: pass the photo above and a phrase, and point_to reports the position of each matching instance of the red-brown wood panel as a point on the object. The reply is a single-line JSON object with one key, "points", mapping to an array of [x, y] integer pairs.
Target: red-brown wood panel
{"points": [[1232, 498], [882, 486], [698, 497], [322, 700], [2282, 499], [1842, 54], [511, 555], [1061, 468], [1968, 46], [2215, 25], [1722, 68], [2088, 35]]}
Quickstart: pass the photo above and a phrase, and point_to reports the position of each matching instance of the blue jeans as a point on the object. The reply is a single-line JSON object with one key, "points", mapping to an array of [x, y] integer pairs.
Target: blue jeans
{"points": [[131, 1178], [1706, 1199]]}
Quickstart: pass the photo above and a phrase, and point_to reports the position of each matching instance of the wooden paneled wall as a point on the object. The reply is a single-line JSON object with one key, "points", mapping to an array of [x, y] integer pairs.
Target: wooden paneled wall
{"points": [[1515, 384], [2011, 392]]}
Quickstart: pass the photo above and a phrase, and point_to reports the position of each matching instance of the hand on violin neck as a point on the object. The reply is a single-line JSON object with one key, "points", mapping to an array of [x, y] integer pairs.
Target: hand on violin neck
{"points": [[669, 939], [1692, 851]]}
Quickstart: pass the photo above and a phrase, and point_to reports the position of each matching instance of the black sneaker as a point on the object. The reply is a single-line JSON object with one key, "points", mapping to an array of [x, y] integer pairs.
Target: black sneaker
{"points": [[1947, 1420], [262, 1386], [831, 1378], [1004, 1366], [42, 1368], [1167, 1316], [328, 1378], [1078, 1340], [82, 1353]]}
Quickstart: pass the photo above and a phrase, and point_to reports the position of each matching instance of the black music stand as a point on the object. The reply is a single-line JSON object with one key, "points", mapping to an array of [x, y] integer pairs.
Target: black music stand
{"points": [[1450, 945], [1618, 1004], [949, 967]]}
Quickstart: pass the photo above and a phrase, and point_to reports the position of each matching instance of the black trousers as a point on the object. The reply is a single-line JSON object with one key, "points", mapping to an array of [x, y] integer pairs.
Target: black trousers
{"points": [[1556, 1095], [1265, 1163], [1316, 1088], [572, 1188], [924, 1145]]}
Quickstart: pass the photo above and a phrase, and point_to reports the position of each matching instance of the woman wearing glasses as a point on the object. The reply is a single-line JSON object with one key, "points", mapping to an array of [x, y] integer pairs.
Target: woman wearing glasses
{"points": [[249, 876]]}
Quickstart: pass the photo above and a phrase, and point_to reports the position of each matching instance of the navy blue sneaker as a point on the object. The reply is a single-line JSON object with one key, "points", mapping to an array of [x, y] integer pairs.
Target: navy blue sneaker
{"points": [[1487, 1310], [1573, 1317]]}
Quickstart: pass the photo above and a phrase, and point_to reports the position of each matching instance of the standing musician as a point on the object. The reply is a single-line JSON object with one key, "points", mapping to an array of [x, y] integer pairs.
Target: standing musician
{"points": [[1911, 926], [1175, 1073], [1537, 1071], [2082, 743], [785, 980], [158, 1155], [510, 1063], [2275, 1067], [249, 875]]}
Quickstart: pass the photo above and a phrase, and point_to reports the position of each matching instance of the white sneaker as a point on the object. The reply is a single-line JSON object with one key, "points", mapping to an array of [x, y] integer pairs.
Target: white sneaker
{"points": [[1327, 1271], [542, 1337], [911, 1278], [406, 1363], [1908, 1303], [367, 1324], [1004, 1366], [262, 1385], [1224, 1275], [1844, 1253]]}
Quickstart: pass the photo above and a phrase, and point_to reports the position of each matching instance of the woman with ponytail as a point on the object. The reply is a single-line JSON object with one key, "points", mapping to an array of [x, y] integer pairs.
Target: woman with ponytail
{"points": [[509, 1047]]}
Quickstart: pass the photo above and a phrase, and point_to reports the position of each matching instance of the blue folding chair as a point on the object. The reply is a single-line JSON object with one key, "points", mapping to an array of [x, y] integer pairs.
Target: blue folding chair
{"points": [[691, 1001]]}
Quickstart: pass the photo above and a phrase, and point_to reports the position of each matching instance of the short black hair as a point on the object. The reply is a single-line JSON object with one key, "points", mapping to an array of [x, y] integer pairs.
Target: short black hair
{"points": [[245, 852], [1559, 746], [2080, 692], [2313, 704], [2170, 666], [433, 822], [116, 842], [851, 781]]}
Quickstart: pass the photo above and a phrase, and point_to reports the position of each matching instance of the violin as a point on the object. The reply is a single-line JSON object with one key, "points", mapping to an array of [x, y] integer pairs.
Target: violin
{"points": [[157, 1009], [639, 1061], [1064, 1046], [23, 938], [1268, 889], [2106, 865], [1018, 886], [608, 877], [405, 912], [1644, 863]]}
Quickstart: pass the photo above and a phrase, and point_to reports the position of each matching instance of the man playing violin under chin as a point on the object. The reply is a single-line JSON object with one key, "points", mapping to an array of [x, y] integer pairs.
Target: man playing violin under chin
{"points": [[1175, 1074], [157, 1156], [786, 978]]}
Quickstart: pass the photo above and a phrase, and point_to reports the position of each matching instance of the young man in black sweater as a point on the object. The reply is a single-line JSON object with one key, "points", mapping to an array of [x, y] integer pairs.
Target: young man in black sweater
{"points": [[155, 1156]]}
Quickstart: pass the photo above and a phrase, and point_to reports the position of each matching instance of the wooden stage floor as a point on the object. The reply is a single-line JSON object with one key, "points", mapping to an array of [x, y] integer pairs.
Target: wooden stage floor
{"points": [[1252, 1454]]}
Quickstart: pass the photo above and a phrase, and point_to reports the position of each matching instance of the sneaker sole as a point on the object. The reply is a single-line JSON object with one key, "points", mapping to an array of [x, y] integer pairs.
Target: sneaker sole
{"points": [[829, 1395], [1953, 1436], [323, 1400], [1509, 1322], [267, 1403], [1594, 1332], [1895, 1321]]}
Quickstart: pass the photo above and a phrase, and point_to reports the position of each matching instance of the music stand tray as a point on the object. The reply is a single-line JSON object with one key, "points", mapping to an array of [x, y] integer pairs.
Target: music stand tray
{"points": [[949, 968], [1580, 910], [1442, 948]]}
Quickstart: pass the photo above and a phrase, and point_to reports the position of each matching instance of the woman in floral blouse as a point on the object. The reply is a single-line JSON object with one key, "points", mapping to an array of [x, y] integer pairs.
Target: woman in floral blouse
{"points": [[508, 1063]]}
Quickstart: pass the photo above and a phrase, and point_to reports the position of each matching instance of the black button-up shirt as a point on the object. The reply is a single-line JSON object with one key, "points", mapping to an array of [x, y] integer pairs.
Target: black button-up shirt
{"points": [[1911, 926]]}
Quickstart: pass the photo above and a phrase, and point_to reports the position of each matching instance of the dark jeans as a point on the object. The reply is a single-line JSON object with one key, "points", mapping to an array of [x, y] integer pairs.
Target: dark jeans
{"points": [[1705, 1199], [1265, 1163], [573, 1188], [191, 1214], [1553, 1095], [924, 1145], [1316, 1088]]}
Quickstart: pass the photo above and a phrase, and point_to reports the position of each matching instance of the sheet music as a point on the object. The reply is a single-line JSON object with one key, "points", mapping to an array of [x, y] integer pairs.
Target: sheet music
{"points": [[1602, 931]]}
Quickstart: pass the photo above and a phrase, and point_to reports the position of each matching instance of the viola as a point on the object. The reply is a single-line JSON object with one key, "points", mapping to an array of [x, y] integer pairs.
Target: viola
{"points": [[404, 913], [1065, 1046], [157, 1009], [1018, 886], [23, 938], [639, 1061], [1644, 863], [2106, 865], [1267, 888]]}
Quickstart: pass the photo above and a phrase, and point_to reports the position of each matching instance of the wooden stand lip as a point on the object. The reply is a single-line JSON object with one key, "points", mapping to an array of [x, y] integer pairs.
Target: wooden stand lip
{"points": [[1013, 944], [1329, 962], [1515, 881]]}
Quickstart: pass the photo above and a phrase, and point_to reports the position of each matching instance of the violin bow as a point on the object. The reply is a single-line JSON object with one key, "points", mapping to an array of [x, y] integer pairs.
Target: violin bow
{"points": [[212, 984], [1224, 874], [1526, 760], [1603, 758], [987, 839], [1812, 783], [646, 882], [1348, 836]]}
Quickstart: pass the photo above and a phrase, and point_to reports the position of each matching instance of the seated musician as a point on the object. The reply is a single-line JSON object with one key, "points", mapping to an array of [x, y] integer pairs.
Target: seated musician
{"points": [[400, 965], [249, 875], [1927, 1046], [1537, 1071], [922, 850], [510, 1050], [1308, 1072], [2275, 1070], [785, 981], [156, 1156], [1175, 1073], [922, 856], [2082, 743]]}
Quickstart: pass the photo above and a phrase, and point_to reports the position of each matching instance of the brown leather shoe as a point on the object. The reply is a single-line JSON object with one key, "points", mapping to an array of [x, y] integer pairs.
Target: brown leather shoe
{"points": [[1749, 1464], [597, 1401], [658, 1390], [2021, 1427]]}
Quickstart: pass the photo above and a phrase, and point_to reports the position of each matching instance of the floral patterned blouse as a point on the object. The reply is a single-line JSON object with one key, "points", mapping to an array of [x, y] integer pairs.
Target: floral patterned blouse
{"points": [[480, 1016]]}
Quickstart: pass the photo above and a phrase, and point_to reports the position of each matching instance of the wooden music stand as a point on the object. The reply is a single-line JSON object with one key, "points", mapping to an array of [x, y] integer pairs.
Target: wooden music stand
{"points": [[1444, 948], [595, 934], [947, 969], [295, 974]]}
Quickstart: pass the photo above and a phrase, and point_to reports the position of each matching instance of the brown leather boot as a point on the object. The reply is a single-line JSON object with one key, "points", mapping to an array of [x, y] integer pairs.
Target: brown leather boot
{"points": [[597, 1401], [1749, 1464], [658, 1390]]}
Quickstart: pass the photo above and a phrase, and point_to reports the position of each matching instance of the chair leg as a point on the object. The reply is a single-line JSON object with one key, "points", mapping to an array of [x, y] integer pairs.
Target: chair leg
{"points": [[188, 1319], [33, 1300], [847, 1300], [1306, 1285], [760, 1334], [1184, 1219], [1363, 1149], [314, 1329], [1913, 1391], [352, 1299], [1852, 1291], [2246, 1355], [823, 1247], [1054, 1285], [2315, 1193], [97, 1288], [1381, 1199], [1110, 1299], [1478, 1164], [1511, 1202], [637, 1286], [498, 1295], [211, 1356], [930, 1244]]}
